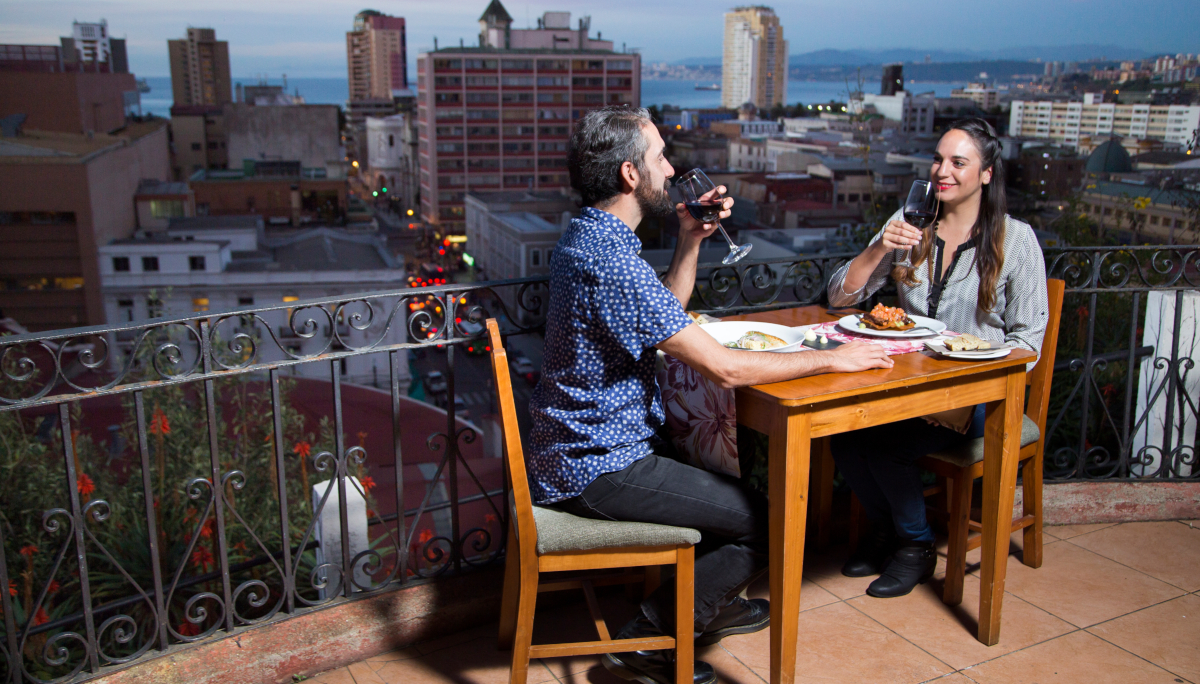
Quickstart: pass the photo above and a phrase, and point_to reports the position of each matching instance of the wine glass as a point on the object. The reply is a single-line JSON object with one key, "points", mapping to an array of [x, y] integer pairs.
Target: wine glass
{"points": [[705, 204], [920, 209]]}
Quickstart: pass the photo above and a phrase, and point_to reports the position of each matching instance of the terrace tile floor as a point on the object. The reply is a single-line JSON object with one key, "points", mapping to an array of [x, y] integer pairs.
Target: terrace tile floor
{"points": [[1111, 603]]}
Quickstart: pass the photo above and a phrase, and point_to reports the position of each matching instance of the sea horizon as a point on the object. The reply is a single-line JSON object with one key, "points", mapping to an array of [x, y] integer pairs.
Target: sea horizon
{"points": [[676, 92]]}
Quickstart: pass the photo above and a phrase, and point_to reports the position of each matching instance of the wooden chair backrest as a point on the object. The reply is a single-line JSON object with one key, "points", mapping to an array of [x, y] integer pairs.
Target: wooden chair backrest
{"points": [[522, 504], [1039, 378]]}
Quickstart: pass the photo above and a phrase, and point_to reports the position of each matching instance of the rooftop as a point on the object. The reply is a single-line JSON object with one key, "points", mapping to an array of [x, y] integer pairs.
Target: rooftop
{"points": [[150, 186], [52, 147], [316, 249], [1063, 622], [527, 222], [214, 222]]}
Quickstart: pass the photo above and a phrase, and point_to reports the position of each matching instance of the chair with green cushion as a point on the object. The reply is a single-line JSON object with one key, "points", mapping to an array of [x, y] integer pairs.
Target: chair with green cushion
{"points": [[542, 540], [962, 466]]}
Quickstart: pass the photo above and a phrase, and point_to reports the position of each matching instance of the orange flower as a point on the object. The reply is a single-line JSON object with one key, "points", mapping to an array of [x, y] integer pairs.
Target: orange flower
{"points": [[240, 546], [206, 529], [85, 484], [490, 517], [302, 449], [368, 483], [187, 629], [202, 557], [159, 425], [425, 535], [12, 588], [41, 617], [28, 551], [54, 587]]}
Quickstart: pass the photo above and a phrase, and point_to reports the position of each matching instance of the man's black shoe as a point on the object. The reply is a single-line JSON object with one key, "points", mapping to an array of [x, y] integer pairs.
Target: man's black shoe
{"points": [[739, 616], [911, 564], [651, 667], [872, 553]]}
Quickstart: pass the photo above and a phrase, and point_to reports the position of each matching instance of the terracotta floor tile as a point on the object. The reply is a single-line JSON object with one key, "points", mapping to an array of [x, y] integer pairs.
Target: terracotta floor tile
{"points": [[1164, 634], [948, 633], [839, 644], [1082, 587], [952, 678], [364, 673], [473, 662], [729, 670], [399, 654], [825, 570], [1070, 531], [1076, 657], [811, 595], [339, 676], [1016, 549], [1163, 550], [457, 638]]}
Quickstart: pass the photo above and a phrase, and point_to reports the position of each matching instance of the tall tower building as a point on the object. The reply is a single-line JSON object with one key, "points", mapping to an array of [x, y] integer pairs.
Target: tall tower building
{"points": [[200, 69], [892, 81], [376, 57], [498, 116], [754, 66]]}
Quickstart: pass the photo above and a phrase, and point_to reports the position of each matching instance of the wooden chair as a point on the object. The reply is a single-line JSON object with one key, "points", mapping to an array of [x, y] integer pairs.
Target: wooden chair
{"points": [[963, 465], [547, 540]]}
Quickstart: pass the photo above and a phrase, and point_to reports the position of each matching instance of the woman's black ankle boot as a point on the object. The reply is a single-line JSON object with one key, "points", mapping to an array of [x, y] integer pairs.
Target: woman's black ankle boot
{"points": [[910, 565], [872, 553]]}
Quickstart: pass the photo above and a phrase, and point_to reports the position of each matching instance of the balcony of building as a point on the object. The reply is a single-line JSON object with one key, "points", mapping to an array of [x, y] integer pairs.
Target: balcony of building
{"points": [[197, 509]]}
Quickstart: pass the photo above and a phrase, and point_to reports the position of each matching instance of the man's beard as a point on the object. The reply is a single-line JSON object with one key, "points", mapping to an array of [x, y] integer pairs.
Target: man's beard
{"points": [[654, 204]]}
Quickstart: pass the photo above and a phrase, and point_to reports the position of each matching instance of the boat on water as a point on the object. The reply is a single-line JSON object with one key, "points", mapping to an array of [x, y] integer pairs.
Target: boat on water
{"points": [[715, 86], [142, 86]]}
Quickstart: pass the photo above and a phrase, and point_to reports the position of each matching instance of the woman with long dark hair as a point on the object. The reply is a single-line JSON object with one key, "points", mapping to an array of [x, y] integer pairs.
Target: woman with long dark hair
{"points": [[977, 270]]}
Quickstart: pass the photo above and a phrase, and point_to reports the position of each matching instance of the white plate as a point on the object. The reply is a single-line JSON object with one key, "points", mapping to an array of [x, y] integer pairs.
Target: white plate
{"points": [[732, 331], [851, 323], [968, 355]]}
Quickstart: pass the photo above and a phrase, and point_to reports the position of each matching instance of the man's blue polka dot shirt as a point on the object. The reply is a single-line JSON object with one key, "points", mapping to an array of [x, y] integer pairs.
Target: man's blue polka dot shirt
{"points": [[598, 403]]}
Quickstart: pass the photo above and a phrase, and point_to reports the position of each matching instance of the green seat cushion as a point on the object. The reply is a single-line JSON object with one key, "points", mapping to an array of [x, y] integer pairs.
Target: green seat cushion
{"points": [[559, 531], [970, 452]]}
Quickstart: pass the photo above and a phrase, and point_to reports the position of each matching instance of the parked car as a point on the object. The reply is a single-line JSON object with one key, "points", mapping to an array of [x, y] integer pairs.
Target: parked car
{"points": [[435, 382], [522, 366]]}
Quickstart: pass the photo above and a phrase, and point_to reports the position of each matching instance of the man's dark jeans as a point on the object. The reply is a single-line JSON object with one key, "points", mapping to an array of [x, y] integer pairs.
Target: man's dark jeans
{"points": [[732, 521]]}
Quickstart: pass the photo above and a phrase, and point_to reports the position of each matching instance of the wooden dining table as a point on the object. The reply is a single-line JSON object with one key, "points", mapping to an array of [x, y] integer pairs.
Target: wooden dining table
{"points": [[794, 413]]}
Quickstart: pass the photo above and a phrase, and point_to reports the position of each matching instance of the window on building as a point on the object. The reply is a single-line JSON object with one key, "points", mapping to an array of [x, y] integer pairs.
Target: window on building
{"points": [[149, 264], [166, 208], [853, 197], [245, 300], [196, 147], [1154, 220], [199, 304], [196, 263], [125, 307], [535, 257], [121, 264], [391, 140]]}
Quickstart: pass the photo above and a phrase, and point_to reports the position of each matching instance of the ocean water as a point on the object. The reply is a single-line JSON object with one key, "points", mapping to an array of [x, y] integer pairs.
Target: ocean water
{"points": [[654, 92]]}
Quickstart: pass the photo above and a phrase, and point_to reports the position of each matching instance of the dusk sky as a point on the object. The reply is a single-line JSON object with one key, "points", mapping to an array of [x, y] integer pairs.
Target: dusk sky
{"points": [[305, 38]]}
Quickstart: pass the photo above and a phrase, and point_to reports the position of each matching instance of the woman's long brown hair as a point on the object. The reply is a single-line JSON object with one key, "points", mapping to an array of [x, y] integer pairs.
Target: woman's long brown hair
{"points": [[988, 230]]}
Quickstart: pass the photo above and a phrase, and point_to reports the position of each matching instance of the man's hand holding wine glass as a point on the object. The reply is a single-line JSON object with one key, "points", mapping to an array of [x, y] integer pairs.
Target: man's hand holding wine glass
{"points": [[705, 224]]}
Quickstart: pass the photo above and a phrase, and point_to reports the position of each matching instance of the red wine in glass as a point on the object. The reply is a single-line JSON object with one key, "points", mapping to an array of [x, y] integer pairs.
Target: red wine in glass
{"points": [[920, 210], [705, 211]]}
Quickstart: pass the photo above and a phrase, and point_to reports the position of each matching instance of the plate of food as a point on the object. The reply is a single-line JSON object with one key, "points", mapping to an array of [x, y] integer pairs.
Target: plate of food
{"points": [[967, 347], [892, 321], [754, 336]]}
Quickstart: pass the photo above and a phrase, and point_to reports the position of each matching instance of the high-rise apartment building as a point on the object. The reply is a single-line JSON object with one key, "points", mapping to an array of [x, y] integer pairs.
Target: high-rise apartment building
{"points": [[200, 69], [892, 81], [754, 66], [1066, 122], [498, 116], [376, 57]]}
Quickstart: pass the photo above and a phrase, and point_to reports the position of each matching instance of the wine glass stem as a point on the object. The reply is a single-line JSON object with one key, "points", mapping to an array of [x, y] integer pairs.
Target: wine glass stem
{"points": [[727, 238]]}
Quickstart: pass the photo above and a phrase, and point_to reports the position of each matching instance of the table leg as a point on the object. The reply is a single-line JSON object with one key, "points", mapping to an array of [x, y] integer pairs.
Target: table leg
{"points": [[1002, 446], [788, 478], [820, 492]]}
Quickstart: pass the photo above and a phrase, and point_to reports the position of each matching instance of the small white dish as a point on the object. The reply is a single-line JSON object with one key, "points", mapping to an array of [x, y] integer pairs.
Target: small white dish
{"points": [[973, 355]]}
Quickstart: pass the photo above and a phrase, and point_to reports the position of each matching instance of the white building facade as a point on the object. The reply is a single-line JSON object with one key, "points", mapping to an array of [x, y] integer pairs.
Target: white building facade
{"points": [[1065, 122]]}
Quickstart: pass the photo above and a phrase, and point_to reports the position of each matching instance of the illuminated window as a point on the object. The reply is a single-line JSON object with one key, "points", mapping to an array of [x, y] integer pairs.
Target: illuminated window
{"points": [[290, 298], [199, 304]]}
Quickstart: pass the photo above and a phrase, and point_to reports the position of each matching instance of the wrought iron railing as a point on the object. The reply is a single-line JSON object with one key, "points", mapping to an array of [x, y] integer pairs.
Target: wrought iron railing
{"points": [[245, 474]]}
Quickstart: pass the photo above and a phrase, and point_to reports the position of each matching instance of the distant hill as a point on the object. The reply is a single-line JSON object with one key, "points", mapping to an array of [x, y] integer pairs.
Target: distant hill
{"points": [[855, 58]]}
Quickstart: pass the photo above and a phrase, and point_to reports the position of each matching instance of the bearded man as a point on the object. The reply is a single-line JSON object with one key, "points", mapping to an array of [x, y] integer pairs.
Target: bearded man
{"points": [[593, 450]]}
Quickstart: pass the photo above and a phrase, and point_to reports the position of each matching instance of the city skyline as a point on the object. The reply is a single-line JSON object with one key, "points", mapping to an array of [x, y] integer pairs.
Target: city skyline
{"points": [[307, 39]]}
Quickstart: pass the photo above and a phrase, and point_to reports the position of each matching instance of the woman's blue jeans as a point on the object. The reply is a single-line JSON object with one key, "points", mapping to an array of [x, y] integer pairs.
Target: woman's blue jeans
{"points": [[879, 465]]}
